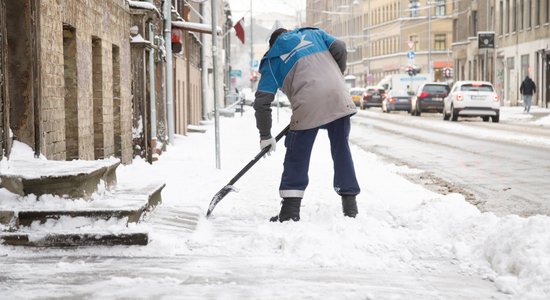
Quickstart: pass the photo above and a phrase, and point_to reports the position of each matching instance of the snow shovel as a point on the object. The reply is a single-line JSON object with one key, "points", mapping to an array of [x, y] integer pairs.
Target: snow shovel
{"points": [[229, 187]]}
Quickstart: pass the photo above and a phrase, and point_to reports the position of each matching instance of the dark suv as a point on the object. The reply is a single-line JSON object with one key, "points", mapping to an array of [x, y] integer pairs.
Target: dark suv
{"points": [[429, 98], [372, 97]]}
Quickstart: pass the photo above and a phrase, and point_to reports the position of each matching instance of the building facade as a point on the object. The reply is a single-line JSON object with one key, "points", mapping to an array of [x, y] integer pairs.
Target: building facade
{"points": [[64, 93], [472, 62], [522, 30], [187, 86], [386, 37], [84, 79]]}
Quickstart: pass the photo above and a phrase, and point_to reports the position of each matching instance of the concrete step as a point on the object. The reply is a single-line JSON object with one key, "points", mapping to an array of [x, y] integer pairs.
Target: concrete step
{"points": [[197, 128], [74, 239], [70, 179], [128, 200]]}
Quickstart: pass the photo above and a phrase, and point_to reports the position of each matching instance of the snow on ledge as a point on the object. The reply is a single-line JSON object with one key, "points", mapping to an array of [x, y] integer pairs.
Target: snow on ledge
{"points": [[138, 39], [199, 27], [143, 5]]}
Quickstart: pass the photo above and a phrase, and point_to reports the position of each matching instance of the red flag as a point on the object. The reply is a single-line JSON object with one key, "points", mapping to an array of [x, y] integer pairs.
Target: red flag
{"points": [[239, 29]]}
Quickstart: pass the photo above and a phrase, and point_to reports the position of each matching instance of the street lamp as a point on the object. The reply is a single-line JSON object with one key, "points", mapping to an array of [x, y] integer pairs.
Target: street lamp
{"points": [[429, 7]]}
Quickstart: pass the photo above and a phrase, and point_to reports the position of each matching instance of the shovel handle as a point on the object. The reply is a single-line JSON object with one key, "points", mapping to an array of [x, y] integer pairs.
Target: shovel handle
{"points": [[258, 156], [229, 187]]}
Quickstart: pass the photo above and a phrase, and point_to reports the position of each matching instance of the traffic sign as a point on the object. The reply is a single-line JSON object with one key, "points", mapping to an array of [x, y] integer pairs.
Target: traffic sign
{"points": [[411, 54], [235, 73], [485, 40], [411, 44]]}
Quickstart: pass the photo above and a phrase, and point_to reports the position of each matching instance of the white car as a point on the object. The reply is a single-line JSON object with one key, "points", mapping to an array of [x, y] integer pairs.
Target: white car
{"points": [[472, 99]]}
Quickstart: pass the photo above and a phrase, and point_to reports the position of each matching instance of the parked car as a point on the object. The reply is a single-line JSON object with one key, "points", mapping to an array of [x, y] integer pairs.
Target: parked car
{"points": [[357, 95], [396, 100], [373, 96], [472, 99], [429, 98]]}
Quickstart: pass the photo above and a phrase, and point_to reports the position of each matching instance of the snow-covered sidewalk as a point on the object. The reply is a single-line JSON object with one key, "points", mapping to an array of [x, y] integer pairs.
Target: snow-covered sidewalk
{"points": [[538, 116], [406, 243]]}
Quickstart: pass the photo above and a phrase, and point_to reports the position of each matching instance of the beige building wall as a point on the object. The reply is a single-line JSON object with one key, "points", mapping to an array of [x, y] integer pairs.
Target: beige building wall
{"points": [[384, 37], [523, 39], [379, 32], [470, 18], [187, 85], [180, 100], [194, 95]]}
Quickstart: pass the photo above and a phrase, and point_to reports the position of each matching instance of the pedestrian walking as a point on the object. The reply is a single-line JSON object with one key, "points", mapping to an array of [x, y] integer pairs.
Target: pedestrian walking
{"points": [[527, 89], [307, 64]]}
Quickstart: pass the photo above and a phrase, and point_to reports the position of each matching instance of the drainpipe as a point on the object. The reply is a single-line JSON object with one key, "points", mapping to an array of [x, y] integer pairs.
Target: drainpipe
{"points": [[153, 100], [204, 71], [215, 52], [167, 12]]}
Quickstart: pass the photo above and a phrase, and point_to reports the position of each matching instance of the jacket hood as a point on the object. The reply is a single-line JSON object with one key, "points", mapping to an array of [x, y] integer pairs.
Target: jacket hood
{"points": [[286, 42]]}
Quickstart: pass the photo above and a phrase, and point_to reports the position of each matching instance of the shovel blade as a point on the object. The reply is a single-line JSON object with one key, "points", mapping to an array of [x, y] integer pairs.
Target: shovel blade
{"points": [[218, 197]]}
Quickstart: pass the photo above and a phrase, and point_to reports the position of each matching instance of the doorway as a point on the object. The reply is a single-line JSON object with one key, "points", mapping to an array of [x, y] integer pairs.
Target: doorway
{"points": [[22, 69]]}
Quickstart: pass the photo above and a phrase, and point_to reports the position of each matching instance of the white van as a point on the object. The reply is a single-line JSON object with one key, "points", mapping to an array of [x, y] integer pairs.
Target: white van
{"points": [[404, 82]]}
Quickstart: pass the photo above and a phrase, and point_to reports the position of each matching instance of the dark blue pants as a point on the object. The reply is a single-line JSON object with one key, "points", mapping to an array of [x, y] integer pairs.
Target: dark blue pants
{"points": [[298, 145]]}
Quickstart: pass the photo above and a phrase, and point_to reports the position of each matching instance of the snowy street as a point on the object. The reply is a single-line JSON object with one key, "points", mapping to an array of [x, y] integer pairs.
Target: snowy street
{"points": [[501, 167], [408, 242]]}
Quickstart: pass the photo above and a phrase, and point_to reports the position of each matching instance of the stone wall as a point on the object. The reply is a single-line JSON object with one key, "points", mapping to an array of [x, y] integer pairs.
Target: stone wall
{"points": [[106, 23]]}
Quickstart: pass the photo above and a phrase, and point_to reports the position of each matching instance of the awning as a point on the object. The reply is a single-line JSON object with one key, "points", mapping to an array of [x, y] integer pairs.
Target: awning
{"points": [[442, 64], [197, 27]]}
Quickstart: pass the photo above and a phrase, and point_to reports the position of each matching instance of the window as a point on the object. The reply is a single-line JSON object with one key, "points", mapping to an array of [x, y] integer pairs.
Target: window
{"points": [[514, 14], [529, 12], [473, 87], [440, 42], [521, 13], [414, 38], [473, 29], [546, 12], [525, 65], [455, 28], [414, 8], [501, 18], [537, 13], [510, 63], [440, 8], [508, 16]]}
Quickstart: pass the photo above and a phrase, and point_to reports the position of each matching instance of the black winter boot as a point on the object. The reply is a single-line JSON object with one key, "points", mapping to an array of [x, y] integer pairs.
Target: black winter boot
{"points": [[349, 206], [290, 210]]}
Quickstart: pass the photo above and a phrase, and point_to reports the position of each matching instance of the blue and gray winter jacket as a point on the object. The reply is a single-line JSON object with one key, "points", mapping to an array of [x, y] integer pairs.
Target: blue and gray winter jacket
{"points": [[307, 65]]}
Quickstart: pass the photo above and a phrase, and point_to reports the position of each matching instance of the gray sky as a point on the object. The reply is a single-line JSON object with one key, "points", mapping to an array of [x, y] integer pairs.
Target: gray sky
{"points": [[240, 7]]}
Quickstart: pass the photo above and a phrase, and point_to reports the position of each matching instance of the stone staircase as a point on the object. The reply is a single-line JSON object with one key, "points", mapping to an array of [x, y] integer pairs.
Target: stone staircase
{"points": [[78, 203]]}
